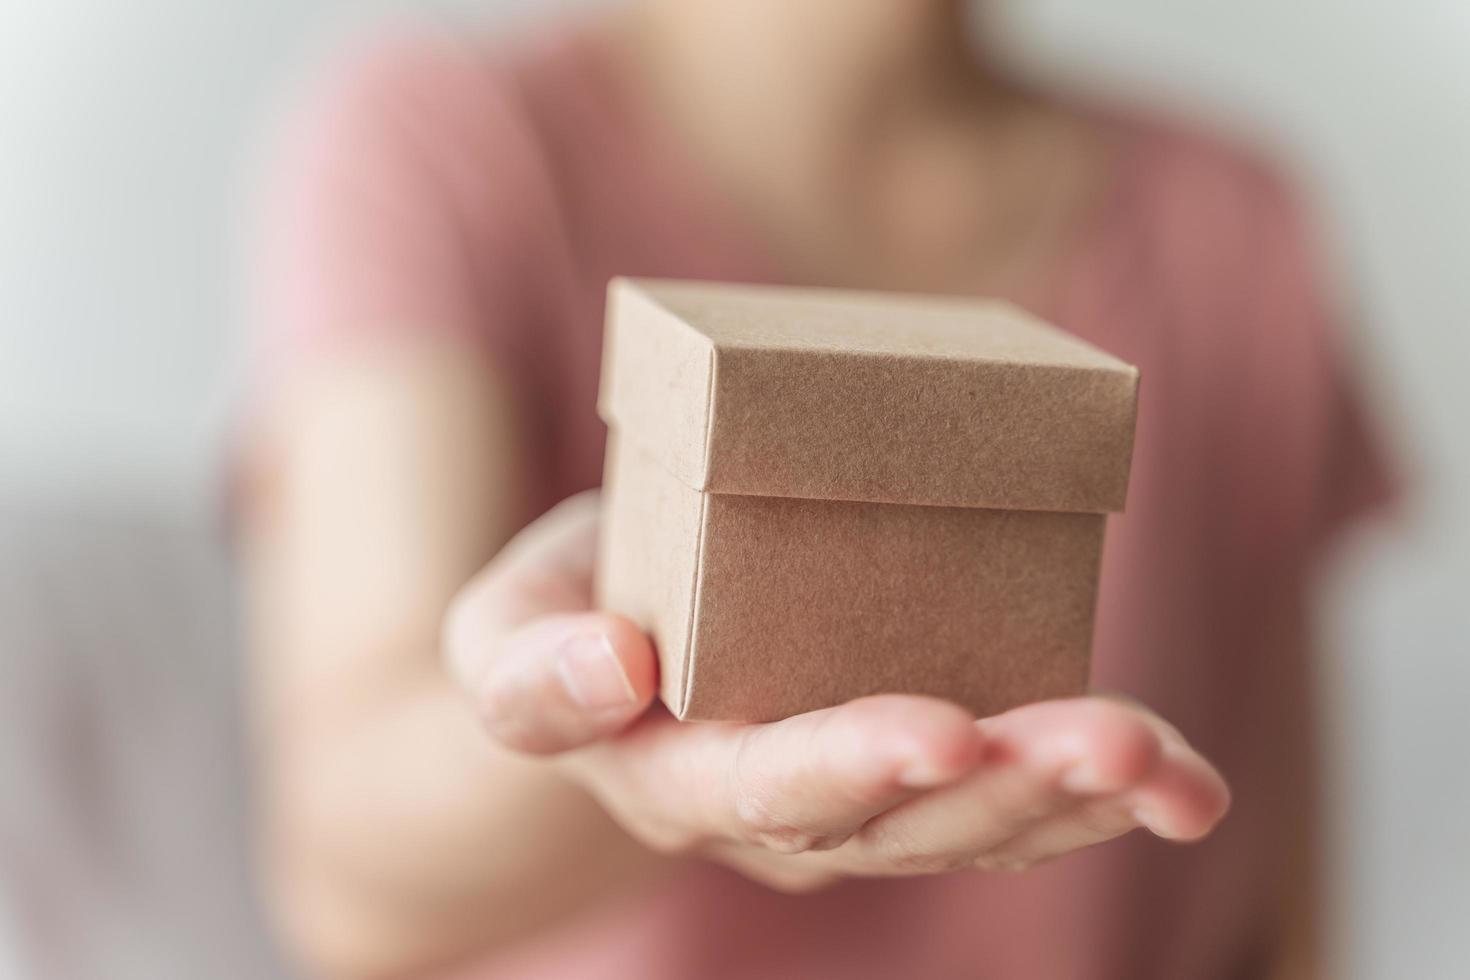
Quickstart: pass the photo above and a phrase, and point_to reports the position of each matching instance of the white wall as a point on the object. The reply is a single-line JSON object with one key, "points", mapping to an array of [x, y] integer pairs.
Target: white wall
{"points": [[126, 131]]}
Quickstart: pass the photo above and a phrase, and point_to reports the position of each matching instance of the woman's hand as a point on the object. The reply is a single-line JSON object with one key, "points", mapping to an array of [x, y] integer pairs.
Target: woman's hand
{"points": [[886, 785]]}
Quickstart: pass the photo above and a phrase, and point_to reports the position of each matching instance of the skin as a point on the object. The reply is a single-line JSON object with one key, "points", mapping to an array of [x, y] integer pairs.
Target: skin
{"points": [[456, 750]]}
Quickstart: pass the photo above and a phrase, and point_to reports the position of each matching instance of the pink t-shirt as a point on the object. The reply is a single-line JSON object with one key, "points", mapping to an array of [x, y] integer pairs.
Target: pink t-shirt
{"points": [[439, 184]]}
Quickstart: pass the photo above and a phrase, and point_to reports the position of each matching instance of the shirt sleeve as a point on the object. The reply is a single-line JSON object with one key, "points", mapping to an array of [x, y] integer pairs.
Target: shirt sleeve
{"points": [[401, 204], [1332, 444]]}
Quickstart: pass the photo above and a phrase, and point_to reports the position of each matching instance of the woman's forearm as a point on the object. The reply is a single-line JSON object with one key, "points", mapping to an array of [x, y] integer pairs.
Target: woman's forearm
{"points": [[403, 839], [396, 835]]}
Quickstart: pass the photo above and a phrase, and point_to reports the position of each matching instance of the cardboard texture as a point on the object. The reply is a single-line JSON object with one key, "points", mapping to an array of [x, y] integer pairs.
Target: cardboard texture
{"points": [[813, 495]]}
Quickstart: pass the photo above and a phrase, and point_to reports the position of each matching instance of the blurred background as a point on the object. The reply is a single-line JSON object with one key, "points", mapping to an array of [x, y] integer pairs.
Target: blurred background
{"points": [[130, 134]]}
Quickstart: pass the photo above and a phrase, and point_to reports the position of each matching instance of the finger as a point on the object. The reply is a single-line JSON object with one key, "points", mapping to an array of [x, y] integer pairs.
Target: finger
{"points": [[1087, 824], [1186, 797], [804, 783], [560, 681], [1182, 799], [543, 675], [1042, 761]]}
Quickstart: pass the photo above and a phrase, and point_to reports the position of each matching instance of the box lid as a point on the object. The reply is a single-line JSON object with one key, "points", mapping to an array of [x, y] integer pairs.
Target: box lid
{"points": [[845, 395]]}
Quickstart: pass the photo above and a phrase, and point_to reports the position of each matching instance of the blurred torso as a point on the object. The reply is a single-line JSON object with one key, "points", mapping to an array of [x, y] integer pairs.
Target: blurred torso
{"points": [[1173, 252]]}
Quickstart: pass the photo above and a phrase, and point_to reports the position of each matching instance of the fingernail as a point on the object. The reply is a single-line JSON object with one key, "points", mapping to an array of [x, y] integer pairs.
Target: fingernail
{"points": [[593, 675]]}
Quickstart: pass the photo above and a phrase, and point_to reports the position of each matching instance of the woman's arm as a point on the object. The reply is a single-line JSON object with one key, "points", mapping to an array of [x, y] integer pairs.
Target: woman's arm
{"points": [[396, 835], [400, 839]]}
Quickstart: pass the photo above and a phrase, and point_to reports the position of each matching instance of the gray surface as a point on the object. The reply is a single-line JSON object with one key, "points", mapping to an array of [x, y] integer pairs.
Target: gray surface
{"points": [[123, 824]]}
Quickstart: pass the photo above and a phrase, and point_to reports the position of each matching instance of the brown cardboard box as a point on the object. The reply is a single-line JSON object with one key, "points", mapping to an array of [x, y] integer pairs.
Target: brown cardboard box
{"points": [[815, 495]]}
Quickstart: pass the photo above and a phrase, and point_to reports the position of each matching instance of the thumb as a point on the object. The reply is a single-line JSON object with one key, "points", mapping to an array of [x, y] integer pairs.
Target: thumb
{"points": [[559, 681]]}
